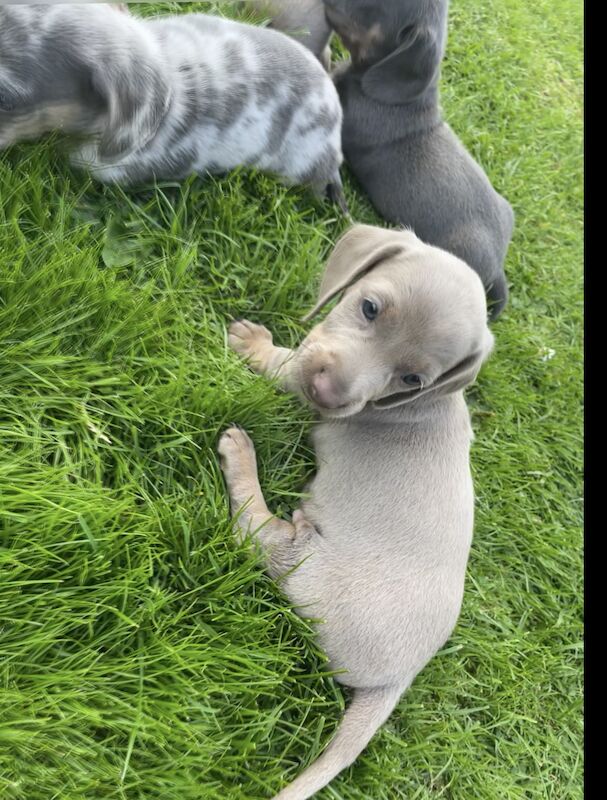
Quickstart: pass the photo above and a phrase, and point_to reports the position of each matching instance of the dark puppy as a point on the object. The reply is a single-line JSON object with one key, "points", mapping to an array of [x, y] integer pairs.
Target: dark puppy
{"points": [[413, 167]]}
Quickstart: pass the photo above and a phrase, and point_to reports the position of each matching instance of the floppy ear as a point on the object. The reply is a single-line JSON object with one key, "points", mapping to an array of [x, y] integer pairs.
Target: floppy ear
{"points": [[136, 96], [360, 249], [454, 380], [408, 71]]}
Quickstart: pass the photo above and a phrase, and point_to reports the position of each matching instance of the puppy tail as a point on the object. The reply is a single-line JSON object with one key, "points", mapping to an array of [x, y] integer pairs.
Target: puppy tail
{"points": [[369, 709], [497, 297]]}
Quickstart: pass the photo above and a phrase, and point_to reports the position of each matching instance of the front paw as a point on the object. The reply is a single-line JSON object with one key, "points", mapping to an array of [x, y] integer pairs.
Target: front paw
{"points": [[250, 341]]}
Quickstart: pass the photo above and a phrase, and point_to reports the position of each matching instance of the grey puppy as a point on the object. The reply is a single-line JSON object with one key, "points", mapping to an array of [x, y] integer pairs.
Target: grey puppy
{"points": [[381, 544], [304, 20], [168, 97], [408, 160]]}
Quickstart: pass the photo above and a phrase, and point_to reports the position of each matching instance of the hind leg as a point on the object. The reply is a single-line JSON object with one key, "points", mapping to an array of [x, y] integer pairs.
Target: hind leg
{"points": [[497, 296], [280, 541], [332, 190]]}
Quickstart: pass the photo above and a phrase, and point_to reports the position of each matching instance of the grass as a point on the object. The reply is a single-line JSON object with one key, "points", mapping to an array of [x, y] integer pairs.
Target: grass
{"points": [[142, 654]]}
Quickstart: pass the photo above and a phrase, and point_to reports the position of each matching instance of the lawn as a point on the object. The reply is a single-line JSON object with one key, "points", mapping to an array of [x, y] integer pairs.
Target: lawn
{"points": [[143, 656]]}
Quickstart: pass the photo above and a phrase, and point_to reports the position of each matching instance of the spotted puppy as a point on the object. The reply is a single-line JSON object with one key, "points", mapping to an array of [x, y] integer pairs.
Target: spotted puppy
{"points": [[167, 97], [378, 551]]}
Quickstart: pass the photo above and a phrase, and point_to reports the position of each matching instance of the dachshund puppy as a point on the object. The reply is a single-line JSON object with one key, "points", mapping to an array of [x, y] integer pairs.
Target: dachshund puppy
{"points": [[168, 97], [413, 167], [378, 550]]}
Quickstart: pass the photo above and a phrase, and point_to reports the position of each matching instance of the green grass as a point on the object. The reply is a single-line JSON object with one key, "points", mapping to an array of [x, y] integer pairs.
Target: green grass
{"points": [[142, 654]]}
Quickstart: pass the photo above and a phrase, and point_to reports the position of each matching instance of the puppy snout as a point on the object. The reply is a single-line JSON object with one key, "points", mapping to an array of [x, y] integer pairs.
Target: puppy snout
{"points": [[324, 388]]}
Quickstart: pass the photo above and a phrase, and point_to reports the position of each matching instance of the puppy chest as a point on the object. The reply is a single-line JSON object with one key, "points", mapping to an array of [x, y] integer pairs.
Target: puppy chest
{"points": [[369, 484]]}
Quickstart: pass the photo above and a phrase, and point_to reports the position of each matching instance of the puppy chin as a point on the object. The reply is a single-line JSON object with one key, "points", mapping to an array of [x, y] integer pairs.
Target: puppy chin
{"points": [[341, 412]]}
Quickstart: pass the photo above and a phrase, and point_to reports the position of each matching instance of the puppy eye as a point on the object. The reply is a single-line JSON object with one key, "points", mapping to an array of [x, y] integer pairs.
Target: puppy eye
{"points": [[412, 379], [370, 309]]}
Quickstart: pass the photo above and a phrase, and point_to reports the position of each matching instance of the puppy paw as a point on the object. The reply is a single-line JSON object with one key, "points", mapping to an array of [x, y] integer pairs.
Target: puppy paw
{"points": [[250, 341], [237, 453]]}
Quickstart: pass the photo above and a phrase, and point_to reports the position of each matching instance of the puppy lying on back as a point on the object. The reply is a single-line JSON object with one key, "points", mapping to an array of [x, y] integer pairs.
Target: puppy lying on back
{"points": [[413, 167], [168, 97], [381, 545]]}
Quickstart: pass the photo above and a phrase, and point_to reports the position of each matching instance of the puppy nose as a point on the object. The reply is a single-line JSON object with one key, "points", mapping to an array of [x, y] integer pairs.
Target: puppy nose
{"points": [[323, 390]]}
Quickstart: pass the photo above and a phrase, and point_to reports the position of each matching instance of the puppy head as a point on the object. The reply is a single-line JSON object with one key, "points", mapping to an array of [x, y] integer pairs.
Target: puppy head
{"points": [[79, 69], [412, 324], [398, 46]]}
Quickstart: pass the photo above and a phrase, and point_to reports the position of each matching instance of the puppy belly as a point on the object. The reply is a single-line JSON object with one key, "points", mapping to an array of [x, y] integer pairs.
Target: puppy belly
{"points": [[216, 152]]}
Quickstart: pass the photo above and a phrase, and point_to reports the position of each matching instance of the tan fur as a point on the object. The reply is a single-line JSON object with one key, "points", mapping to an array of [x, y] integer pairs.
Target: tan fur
{"points": [[379, 548]]}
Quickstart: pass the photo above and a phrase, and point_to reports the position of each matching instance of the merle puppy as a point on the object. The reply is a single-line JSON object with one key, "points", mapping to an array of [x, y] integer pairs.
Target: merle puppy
{"points": [[170, 96], [413, 167]]}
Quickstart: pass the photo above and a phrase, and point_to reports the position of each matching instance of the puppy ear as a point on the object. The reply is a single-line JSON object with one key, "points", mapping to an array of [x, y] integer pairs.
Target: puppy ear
{"points": [[136, 96], [360, 249], [408, 71], [464, 373], [454, 380]]}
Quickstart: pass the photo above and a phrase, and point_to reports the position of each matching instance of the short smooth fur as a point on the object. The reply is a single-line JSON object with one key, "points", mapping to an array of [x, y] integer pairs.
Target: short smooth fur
{"points": [[379, 549], [411, 164], [304, 20], [170, 96]]}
